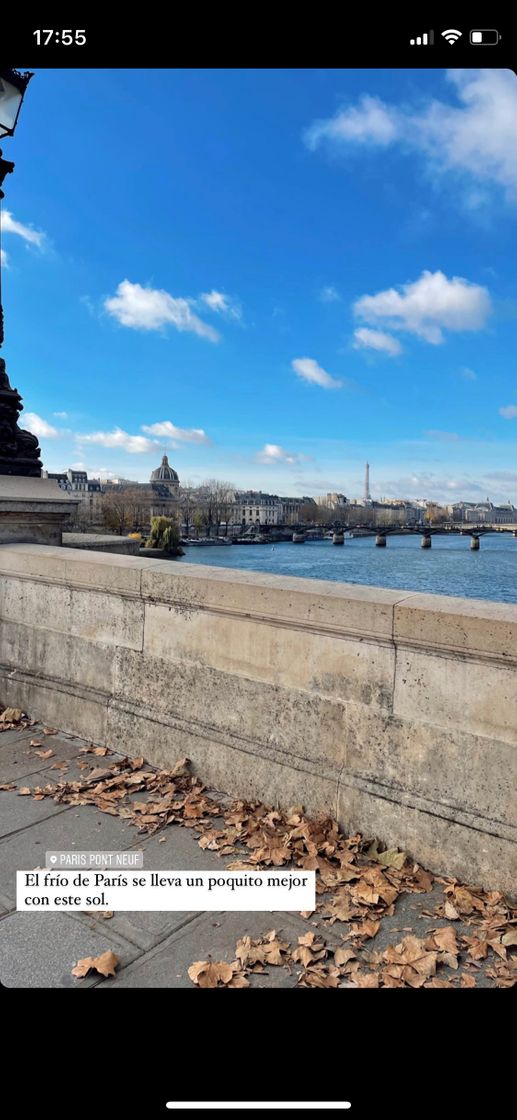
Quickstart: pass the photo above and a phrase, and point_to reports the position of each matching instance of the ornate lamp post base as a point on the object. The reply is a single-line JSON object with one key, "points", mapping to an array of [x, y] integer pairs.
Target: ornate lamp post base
{"points": [[19, 450]]}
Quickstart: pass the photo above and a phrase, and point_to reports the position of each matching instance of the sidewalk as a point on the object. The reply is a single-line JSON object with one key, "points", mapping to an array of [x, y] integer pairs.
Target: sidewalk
{"points": [[157, 949]]}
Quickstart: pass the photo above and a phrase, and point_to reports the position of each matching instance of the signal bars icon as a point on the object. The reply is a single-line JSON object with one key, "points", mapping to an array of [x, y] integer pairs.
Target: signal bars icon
{"points": [[425, 40]]}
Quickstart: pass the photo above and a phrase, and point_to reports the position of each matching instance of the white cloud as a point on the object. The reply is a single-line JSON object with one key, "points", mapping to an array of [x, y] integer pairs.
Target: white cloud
{"points": [[475, 135], [371, 122], [273, 453], [428, 306], [509, 411], [135, 445], [502, 476], [151, 309], [4, 258], [425, 484], [444, 437], [170, 431], [61, 415], [366, 339], [309, 370], [468, 374], [222, 304], [32, 236], [38, 426], [329, 295]]}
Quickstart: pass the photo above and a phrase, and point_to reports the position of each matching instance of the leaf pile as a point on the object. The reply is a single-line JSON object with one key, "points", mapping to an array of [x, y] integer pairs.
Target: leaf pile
{"points": [[413, 963], [13, 719], [356, 881]]}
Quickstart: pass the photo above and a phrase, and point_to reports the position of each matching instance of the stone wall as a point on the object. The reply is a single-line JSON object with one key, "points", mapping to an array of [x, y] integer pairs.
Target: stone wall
{"points": [[394, 711], [102, 542]]}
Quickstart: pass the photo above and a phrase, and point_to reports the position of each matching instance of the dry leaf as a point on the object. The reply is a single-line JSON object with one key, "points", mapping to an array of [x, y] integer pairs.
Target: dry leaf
{"points": [[105, 964], [209, 974], [11, 715], [24, 791], [45, 754], [343, 956], [390, 858]]}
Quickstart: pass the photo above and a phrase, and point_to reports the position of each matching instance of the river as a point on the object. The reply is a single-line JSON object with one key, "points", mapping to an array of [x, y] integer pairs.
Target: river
{"points": [[448, 568]]}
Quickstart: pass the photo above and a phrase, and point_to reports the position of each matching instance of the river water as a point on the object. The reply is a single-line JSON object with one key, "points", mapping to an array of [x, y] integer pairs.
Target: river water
{"points": [[448, 568]]}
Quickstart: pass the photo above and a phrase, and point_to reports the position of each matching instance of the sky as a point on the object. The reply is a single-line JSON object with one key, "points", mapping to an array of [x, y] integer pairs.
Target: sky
{"points": [[270, 276]]}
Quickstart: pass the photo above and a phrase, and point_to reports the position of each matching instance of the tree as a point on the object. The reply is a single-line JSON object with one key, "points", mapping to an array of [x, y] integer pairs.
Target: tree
{"points": [[165, 534], [123, 509], [435, 515], [309, 512], [188, 505], [198, 520], [217, 503]]}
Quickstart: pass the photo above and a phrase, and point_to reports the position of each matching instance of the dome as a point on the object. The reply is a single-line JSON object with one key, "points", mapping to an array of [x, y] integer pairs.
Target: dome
{"points": [[164, 473]]}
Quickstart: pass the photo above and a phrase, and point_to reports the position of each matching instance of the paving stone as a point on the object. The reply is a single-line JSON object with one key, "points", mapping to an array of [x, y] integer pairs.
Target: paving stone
{"points": [[14, 817], [77, 828], [18, 759], [173, 849], [40, 950], [213, 935], [8, 738]]}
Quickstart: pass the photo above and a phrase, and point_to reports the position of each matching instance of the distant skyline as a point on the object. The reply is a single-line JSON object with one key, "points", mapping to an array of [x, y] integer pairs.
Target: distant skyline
{"points": [[270, 275]]}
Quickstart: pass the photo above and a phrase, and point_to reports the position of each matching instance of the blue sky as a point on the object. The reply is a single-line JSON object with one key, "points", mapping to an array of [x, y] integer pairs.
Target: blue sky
{"points": [[270, 275]]}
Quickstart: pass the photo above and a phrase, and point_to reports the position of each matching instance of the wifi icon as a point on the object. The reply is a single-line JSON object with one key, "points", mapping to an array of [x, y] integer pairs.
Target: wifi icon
{"points": [[451, 36]]}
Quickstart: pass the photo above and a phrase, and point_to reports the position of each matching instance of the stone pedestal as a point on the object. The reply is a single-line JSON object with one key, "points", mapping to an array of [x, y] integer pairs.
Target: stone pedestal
{"points": [[33, 510]]}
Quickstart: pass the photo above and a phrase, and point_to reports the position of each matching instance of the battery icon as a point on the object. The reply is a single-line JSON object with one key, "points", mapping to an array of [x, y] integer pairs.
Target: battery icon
{"points": [[484, 38]]}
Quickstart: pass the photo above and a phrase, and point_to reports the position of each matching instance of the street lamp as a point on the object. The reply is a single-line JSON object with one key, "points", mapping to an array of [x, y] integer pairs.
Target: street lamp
{"points": [[12, 92], [19, 450]]}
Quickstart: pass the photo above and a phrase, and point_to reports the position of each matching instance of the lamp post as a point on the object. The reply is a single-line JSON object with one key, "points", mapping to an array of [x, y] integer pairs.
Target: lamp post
{"points": [[19, 450]]}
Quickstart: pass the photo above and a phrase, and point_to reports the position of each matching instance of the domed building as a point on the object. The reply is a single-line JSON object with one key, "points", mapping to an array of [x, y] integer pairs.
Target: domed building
{"points": [[164, 480]]}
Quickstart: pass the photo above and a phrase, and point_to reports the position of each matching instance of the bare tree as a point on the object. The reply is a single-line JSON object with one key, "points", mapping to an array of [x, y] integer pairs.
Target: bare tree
{"points": [[124, 509], [435, 515], [217, 503], [309, 513]]}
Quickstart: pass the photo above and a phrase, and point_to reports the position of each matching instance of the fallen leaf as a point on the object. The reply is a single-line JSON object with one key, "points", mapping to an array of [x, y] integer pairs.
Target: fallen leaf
{"points": [[45, 754], [11, 715], [24, 791], [390, 858], [507, 938], [323, 977], [343, 956], [105, 964], [209, 974], [181, 767], [443, 939]]}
